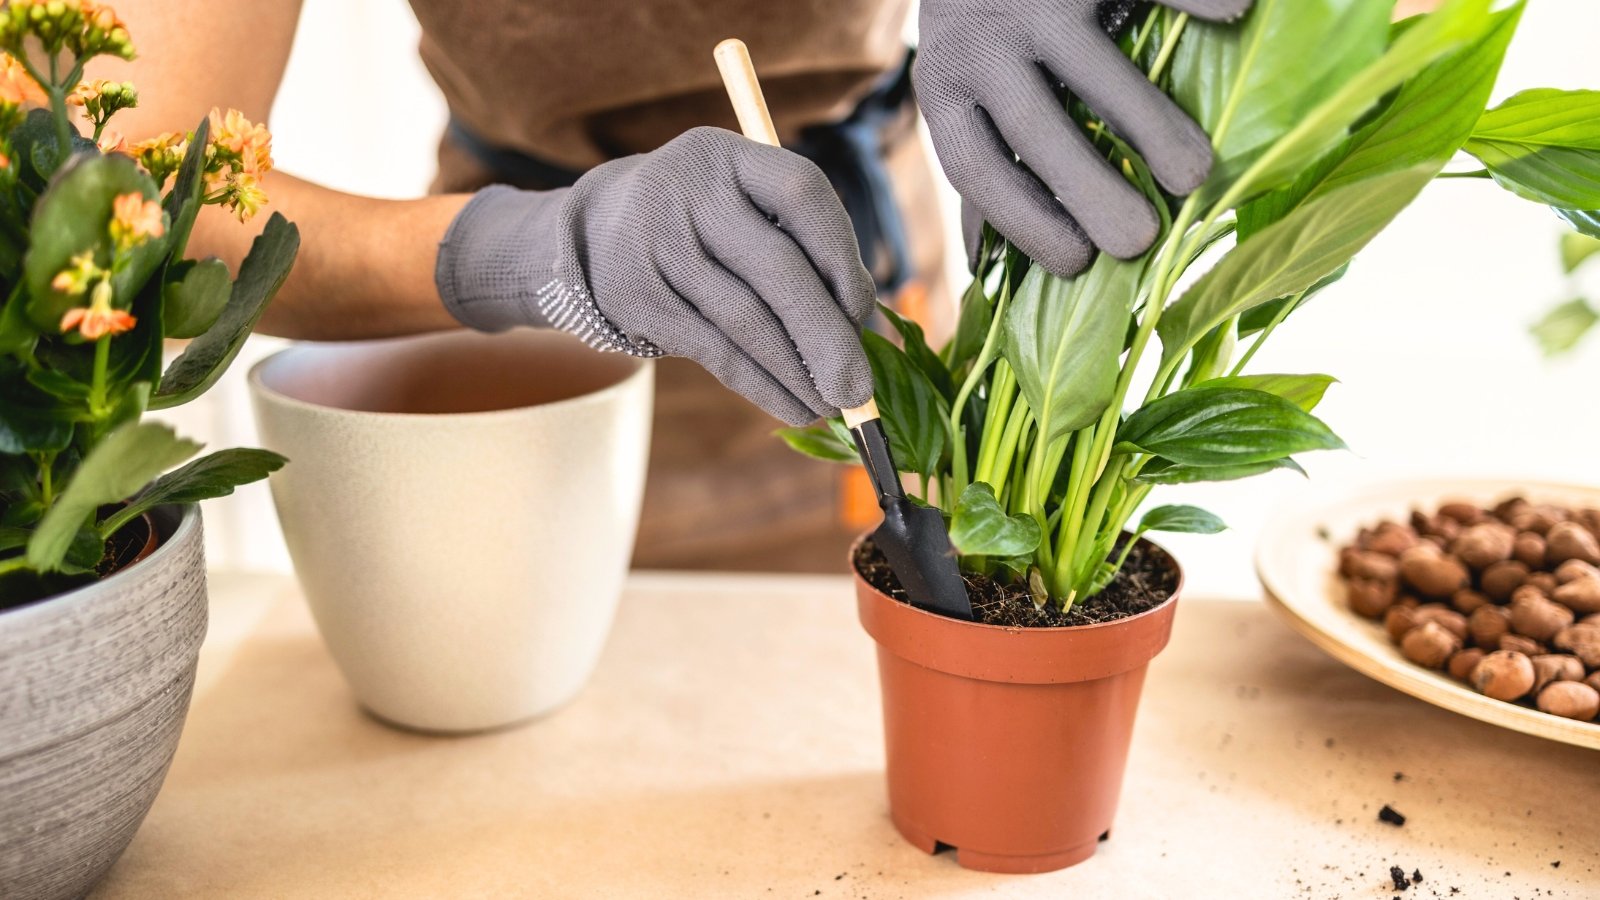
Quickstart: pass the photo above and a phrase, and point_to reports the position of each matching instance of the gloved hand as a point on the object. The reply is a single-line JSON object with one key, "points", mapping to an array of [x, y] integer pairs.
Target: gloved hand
{"points": [[983, 76], [729, 252]]}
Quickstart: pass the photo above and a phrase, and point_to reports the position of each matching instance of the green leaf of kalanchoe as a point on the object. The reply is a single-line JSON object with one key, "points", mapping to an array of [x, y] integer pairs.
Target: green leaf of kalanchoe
{"points": [[980, 527], [114, 470], [207, 357], [206, 478], [73, 217]]}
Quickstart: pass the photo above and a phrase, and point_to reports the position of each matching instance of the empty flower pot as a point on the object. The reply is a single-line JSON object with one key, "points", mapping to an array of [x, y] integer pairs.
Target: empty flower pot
{"points": [[1008, 744], [460, 509]]}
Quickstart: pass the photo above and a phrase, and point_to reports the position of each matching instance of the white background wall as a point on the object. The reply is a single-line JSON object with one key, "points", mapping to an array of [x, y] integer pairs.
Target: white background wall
{"points": [[1427, 334]]}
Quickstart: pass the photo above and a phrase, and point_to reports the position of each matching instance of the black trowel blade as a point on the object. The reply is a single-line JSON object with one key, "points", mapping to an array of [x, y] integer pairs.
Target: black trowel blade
{"points": [[915, 542]]}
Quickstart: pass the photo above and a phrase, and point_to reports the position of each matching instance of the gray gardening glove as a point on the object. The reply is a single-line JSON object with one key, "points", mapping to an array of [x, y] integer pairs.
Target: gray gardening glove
{"points": [[732, 253], [984, 75]]}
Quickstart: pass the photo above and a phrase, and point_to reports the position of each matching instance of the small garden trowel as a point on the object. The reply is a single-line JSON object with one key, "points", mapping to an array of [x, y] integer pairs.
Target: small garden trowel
{"points": [[913, 538]]}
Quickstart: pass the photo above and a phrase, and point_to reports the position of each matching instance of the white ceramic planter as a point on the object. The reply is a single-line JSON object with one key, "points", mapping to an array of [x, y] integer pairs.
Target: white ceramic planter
{"points": [[460, 509]]}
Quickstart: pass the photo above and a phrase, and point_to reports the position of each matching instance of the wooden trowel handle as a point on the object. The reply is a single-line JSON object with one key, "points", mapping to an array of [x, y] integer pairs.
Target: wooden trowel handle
{"points": [[744, 89]]}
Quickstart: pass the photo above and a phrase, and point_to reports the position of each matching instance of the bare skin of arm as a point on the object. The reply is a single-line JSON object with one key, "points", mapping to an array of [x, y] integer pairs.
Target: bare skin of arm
{"points": [[365, 268]]}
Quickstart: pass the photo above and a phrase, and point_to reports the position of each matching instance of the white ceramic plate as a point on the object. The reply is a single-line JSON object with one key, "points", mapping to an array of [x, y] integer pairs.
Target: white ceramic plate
{"points": [[1297, 561]]}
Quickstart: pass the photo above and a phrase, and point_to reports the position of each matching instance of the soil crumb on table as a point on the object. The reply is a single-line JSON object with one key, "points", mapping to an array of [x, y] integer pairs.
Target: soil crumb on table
{"points": [[1390, 815], [1146, 581]]}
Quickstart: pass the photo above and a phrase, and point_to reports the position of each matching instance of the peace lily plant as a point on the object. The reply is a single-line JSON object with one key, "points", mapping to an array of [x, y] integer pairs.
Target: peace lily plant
{"points": [[93, 278], [1060, 404]]}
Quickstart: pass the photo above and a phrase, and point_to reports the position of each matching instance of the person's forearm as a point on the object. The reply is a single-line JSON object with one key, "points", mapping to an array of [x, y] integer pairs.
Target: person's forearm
{"points": [[365, 268]]}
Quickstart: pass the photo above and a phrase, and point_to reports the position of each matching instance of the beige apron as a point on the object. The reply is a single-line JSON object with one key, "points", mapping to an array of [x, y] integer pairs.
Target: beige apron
{"points": [[577, 82]]}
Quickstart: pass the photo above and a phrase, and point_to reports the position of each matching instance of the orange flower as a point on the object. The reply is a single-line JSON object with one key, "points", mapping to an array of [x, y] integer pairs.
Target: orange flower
{"points": [[17, 87], [245, 196], [95, 324], [99, 318], [135, 220], [75, 279], [112, 142], [160, 155], [5, 161], [239, 139]]}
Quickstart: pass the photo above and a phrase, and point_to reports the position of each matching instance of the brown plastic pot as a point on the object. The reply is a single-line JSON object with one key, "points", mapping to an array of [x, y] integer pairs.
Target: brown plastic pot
{"points": [[1008, 744]]}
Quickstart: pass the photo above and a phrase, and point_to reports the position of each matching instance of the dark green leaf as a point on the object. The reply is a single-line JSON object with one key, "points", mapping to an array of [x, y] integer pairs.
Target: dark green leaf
{"points": [[195, 295], [135, 399], [1289, 256], [1304, 391], [188, 187], [72, 217], [84, 553], [17, 333], [208, 477], [1585, 221], [972, 326], [1563, 326], [1063, 337], [1222, 426], [914, 415], [208, 356], [1181, 520], [1163, 472], [818, 443], [33, 145], [30, 419], [923, 357], [114, 470], [980, 527]]}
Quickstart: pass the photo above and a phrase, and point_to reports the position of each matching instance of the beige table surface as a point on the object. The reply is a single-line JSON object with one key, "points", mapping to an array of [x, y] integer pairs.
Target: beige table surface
{"points": [[729, 746]]}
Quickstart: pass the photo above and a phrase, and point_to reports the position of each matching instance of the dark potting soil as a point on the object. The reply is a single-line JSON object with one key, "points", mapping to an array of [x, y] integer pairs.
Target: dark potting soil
{"points": [[1145, 582], [124, 547]]}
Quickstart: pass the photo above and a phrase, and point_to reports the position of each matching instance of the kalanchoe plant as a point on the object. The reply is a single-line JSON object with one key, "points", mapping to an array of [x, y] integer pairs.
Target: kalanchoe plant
{"points": [[1059, 404], [93, 278]]}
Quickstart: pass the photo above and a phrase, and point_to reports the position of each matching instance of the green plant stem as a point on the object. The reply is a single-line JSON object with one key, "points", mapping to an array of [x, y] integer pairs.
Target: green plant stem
{"points": [[1082, 444], [1145, 31], [1003, 398], [959, 480], [47, 492], [14, 564], [1104, 434], [114, 522], [1015, 427], [1167, 47], [1277, 319], [97, 383]]}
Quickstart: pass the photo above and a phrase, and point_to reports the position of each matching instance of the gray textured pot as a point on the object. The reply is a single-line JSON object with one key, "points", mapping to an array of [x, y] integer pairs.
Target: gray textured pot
{"points": [[94, 686]]}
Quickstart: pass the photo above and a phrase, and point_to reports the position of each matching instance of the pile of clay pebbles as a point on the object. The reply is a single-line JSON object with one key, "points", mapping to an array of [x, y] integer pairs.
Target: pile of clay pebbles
{"points": [[1505, 599]]}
